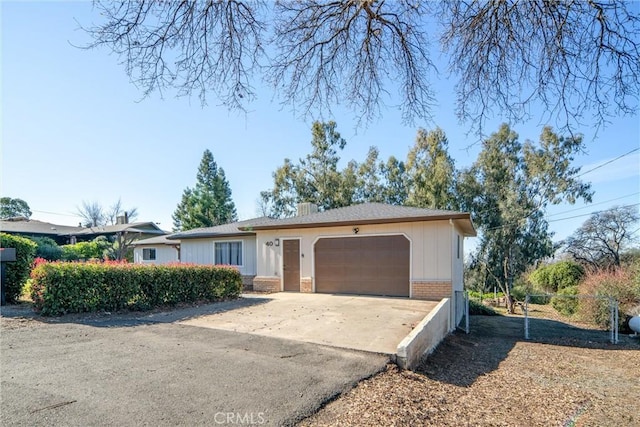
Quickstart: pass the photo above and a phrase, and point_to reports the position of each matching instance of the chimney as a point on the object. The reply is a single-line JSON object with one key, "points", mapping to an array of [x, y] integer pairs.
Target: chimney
{"points": [[122, 219], [307, 208]]}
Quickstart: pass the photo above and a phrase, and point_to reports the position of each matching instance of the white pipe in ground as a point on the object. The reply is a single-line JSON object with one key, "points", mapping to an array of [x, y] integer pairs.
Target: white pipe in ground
{"points": [[634, 324]]}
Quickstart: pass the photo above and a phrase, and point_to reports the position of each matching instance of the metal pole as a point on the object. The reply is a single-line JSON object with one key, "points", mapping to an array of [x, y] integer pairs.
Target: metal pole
{"points": [[466, 309], [526, 317], [612, 320], [617, 321]]}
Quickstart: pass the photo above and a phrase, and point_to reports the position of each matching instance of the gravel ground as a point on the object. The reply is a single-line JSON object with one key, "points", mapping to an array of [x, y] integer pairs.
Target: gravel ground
{"points": [[492, 377]]}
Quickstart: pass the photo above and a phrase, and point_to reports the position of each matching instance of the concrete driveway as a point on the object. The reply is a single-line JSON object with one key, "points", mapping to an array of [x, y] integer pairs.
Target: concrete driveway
{"points": [[155, 370], [373, 324]]}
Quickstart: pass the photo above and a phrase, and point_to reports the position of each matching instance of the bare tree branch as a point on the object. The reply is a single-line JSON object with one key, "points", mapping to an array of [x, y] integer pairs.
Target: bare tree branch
{"points": [[573, 57], [579, 59]]}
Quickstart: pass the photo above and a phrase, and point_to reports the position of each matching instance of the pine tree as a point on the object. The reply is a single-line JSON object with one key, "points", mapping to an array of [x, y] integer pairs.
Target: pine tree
{"points": [[209, 203]]}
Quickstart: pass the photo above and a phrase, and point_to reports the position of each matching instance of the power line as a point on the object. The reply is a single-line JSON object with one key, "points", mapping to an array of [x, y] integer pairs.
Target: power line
{"points": [[497, 227], [591, 213], [594, 204], [56, 213], [607, 162]]}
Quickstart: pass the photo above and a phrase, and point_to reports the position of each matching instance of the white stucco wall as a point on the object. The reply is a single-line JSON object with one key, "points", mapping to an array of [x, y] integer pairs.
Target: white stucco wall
{"points": [[201, 251], [431, 247], [164, 254]]}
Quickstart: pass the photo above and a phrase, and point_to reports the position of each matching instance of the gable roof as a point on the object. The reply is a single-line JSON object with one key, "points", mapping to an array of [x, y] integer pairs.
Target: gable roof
{"points": [[132, 227], [224, 230], [158, 240], [366, 213]]}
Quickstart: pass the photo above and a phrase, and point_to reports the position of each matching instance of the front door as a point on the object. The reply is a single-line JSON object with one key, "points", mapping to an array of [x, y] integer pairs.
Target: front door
{"points": [[291, 265]]}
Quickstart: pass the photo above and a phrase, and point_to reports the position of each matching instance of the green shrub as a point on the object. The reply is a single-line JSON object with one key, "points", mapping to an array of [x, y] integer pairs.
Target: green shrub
{"points": [[59, 288], [622, 284], [555, 277], [564, 303], [84, 251], [17, 272], [478, 309], [47, 248], [483, 296]]}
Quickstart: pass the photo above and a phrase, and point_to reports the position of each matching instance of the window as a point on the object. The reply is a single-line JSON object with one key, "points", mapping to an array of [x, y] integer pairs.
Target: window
{"points": [[149, 254], [458, 251], [228, 253]]}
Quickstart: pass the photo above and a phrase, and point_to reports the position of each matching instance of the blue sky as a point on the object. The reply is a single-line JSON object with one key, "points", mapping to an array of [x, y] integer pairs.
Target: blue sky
{"points": [[74, 128]]}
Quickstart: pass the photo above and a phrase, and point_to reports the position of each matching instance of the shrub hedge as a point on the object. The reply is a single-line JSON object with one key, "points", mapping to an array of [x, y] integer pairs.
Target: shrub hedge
{"points": [[70, 287], [17, 272]]}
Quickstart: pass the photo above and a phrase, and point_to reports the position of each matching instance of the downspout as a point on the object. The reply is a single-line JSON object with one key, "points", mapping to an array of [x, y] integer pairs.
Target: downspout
{"points": [[452, 302]]}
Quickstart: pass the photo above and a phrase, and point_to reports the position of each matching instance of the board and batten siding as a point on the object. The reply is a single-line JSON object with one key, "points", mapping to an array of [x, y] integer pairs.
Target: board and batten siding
{"points": [[457, 260], [431, 247], [201, 251], [165, 254]]}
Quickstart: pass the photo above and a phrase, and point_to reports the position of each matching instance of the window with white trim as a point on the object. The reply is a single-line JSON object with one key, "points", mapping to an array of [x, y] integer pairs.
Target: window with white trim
{"points": [[149, 254], [228, 253]]}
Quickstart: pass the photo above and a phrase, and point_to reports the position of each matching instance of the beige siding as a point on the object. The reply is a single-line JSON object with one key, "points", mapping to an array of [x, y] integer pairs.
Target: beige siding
{"points": [[200, 251], [164, 254], [431, 247], [457, 257]]}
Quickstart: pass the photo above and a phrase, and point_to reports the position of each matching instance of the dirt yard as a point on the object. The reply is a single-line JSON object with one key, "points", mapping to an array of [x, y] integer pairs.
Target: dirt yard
{"points": [[564, 376]]}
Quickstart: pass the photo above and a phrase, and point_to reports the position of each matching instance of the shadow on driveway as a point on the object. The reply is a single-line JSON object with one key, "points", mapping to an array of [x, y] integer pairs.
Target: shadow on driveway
{"points": [[133, 318]]}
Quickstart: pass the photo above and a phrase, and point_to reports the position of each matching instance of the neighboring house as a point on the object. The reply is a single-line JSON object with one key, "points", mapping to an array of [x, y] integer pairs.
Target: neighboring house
{"points": [[25, 227], [64, 234], [367, 249], [156, 250]]}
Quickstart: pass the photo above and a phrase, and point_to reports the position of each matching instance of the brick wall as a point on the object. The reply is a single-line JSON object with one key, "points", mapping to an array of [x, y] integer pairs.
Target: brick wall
{"points": [[430, 290], [306, 284], [266, 284], [247, 283]]}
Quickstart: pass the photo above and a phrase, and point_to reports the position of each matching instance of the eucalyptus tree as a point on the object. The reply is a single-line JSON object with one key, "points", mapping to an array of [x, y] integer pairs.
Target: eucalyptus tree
{"points": [[507, 190]]}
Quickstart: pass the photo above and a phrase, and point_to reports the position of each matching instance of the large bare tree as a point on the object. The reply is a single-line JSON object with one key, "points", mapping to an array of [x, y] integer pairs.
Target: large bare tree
{"points": [[601, 240], [578, 59]]}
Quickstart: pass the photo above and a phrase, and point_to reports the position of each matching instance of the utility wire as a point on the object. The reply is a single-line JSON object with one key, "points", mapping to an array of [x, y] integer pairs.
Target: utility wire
{"points": [[607, 162], [593, 204], [591, 213], [555, 220]]}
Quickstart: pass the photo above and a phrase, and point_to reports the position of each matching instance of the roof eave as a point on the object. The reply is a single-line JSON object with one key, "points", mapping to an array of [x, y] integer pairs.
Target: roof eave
{"points": [[358, 222], [209, 235]]}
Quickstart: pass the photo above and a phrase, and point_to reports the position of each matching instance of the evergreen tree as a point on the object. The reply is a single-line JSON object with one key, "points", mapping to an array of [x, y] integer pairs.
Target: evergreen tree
{"points": [[209, 203]]}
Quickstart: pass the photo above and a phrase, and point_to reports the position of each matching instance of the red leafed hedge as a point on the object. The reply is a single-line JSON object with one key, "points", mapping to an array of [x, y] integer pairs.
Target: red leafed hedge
{"points": [[71, 287]]}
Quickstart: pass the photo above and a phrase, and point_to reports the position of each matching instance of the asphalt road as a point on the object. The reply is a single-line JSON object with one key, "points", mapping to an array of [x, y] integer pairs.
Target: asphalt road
{"points": [[115, 372]]}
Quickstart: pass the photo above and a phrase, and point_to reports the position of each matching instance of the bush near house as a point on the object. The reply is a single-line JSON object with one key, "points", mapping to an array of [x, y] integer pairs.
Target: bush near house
{"points": [[85, 250], [17, 272], [68, 287], [47, 248]]}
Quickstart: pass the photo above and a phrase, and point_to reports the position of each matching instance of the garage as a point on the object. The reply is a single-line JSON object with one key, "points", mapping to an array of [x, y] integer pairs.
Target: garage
{"points": [[367, 265]]}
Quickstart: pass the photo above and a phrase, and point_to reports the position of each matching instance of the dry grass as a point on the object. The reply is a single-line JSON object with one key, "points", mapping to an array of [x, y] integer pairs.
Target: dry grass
{"points": [[492, 377]]}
